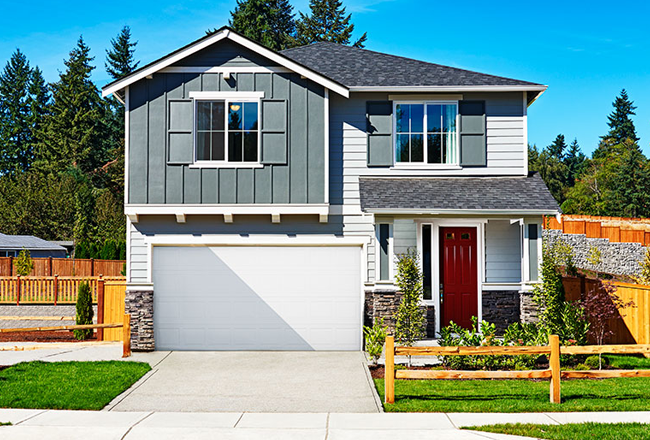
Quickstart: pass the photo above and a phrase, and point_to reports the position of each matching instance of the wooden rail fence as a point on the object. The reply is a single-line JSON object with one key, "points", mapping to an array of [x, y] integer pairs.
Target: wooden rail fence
{"points": [[634, 327], [48, 290], [615, 229], [69, 267], [553, 351], [125, 326]]}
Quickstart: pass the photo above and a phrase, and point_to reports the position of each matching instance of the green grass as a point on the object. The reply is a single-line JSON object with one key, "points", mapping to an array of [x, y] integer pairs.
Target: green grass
{"points": [[5, 423], [629, 362], [572, 431], [67, 385], [620, 394]]}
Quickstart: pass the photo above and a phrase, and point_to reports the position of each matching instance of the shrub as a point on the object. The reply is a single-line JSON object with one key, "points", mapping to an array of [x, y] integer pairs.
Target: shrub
{"points": [[594, 362], [24, 263], [595, 257], [644, 266], [375, 338], [84, 311], [410, 320]]}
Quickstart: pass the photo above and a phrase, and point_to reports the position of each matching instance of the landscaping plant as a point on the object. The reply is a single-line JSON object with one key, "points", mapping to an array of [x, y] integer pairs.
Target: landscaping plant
{"points": [[24, 263], [375, 338], [644, 265], [410, 320], [84, 311]]}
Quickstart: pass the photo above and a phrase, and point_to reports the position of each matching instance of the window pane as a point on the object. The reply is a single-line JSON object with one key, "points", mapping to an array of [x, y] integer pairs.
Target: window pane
{"points": [[218, 118], [250, 116], [218, 152], [250, 146], [417, 150], [417, 118], [203, 145], [402, 118], [449, 118], [434, 148], [235, 116], [384, 231], [402, 148], [235, 147], [203, 115], [426, 262], [434, 118]]}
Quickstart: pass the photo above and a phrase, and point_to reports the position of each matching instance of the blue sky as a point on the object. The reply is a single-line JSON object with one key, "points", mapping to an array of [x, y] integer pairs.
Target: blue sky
{"points": [[586, 52]]}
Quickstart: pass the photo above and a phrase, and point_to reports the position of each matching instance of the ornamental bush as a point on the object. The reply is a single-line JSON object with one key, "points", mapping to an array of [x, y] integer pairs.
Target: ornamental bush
{"points": [[375, 337], [84, 311], [24, 263], [411, 318]]}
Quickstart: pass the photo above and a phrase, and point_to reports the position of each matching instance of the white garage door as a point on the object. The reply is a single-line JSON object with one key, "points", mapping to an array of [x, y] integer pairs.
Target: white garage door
{"points": [[257, 298]]}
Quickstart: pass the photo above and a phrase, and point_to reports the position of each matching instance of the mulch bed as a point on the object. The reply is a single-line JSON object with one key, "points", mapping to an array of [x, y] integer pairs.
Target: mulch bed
{"points": [[44, 336]]}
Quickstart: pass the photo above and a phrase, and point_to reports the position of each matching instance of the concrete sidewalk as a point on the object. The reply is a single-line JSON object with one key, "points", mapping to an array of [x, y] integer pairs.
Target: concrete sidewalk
{"points": [[72, 425]]}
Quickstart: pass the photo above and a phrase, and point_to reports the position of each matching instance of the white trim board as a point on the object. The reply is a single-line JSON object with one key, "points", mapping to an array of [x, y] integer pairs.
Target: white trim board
{"points": [[212, 39], [224, 70], [433, 89]]}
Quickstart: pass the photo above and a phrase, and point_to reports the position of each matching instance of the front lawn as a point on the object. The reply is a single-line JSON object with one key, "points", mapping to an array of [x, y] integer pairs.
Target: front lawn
{"points": [[572, 431], [620, 394], [67, 385], [627, 362]]}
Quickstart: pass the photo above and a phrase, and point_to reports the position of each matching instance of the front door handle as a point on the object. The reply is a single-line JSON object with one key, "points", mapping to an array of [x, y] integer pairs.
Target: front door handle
{"points": [[441, 296]]}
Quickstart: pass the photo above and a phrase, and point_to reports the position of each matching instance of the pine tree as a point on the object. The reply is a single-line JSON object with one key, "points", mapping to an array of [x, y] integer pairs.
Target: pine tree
{"points": [[269, 22], [326, 22], [73, 134], [120, 61], [575, 162], [621, 126], [556, 149], [629, 196], [16, 135]]}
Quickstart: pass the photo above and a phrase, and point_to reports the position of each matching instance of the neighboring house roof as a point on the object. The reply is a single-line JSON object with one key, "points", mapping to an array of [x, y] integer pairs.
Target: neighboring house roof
{"points": [[524, 195], [355, 67], [29, 242], [343, 69]]}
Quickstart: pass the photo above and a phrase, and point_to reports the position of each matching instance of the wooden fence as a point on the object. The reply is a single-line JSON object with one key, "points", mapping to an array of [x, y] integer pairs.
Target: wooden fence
{"points": [[615, 229], [47, 290], [68, 267], [110, 308], [635, 325], [553, 350], [125, 327]]}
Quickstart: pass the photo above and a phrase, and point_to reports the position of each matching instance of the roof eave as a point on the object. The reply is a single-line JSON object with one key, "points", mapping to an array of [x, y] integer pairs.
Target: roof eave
{"points": [[496, 88], [205, 42], [433, 211]]}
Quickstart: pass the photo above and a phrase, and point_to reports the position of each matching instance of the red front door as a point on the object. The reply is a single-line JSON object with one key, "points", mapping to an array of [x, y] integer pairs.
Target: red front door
{"points": [[458, 275]]}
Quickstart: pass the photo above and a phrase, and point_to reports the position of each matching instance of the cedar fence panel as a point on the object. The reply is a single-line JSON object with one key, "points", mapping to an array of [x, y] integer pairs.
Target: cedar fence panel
{"points": [[66, 267], [615, 229], [114, 292], [46, 290]]}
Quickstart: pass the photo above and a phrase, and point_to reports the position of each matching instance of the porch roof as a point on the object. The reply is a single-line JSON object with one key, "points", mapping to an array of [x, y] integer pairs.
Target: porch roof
{"points": [[524, 195]]}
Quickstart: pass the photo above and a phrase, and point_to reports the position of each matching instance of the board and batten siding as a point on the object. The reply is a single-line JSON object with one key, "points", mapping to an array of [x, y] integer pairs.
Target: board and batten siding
{"points": [[152, 180], [502, 252]]}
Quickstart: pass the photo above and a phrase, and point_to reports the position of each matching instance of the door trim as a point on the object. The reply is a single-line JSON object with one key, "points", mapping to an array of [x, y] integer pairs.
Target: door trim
{"points": [[436, 224]]}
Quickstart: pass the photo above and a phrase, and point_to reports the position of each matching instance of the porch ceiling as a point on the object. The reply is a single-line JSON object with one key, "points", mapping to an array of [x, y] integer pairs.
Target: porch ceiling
{"points": [[515, 195]]}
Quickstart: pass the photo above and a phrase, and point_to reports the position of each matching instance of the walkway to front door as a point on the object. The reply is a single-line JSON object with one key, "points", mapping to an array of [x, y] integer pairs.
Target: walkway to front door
{"points": [[458, 275]]}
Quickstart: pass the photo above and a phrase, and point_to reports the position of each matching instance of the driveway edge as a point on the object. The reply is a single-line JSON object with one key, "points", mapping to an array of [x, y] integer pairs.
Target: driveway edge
{"points": [[375, 394]]}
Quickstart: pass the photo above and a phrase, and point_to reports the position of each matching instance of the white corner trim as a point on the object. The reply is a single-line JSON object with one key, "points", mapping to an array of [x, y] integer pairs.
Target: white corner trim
{"points": [[212, 39], [326, 131], [227, 209], [224, 70], [225, 95]]}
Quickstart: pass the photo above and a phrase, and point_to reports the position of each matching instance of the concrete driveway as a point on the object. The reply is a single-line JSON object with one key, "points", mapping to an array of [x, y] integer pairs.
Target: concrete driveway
{"points": [[315, 382]]}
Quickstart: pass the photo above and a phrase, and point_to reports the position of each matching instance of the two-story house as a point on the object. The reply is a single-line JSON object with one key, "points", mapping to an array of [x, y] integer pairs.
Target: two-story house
{"points": [[269, 193]]}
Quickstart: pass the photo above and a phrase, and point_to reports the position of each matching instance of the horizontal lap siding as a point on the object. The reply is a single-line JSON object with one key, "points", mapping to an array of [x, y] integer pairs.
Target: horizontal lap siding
{"points": [[502, 252]]}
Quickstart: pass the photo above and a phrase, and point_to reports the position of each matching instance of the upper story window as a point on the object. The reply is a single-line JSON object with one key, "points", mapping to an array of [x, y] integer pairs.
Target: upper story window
{"points": [[426, 133], [227, 131]]}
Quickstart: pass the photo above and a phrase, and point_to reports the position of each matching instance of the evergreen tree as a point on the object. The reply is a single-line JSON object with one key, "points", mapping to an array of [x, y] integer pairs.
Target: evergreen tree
{"points": [[120, 61], [621, 126], [630, 195], [17, 82], [575, 162], [326, 22], [556, 149], [39, 105], [551, 168], [269, 22], [73, 134]]}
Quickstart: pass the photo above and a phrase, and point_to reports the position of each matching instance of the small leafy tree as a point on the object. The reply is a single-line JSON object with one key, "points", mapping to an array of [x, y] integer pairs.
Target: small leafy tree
{"points": [[24, 263], [410, 322], [549, 296], [644, 265], [602, 305], [375, 338], [84, 311]]}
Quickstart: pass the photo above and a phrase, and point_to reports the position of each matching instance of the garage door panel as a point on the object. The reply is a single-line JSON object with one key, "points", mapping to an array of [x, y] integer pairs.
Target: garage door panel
{"points": [[262, 298]]}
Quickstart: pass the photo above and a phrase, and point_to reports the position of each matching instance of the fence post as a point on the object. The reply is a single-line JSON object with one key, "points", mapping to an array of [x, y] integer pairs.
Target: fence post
{"points": [[554, 365], [92, 267], [56, 289], [100, 308], [17, 290], [126, 336], [389, 370], [49, 267], [11, 266]]}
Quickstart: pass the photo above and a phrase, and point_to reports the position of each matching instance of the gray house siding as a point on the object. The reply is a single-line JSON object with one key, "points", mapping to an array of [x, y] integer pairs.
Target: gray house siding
{"points": [[502, 252], [154, 178]]}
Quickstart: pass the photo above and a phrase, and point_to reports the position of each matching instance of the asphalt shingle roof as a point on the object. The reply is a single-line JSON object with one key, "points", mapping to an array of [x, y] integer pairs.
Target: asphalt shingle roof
{"points": [[354, 67], [457, 193], [28, 242]]}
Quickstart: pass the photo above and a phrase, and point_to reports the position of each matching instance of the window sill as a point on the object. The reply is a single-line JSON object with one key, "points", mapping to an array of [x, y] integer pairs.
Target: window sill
{"points": [[427, 167], [226, 165]]}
